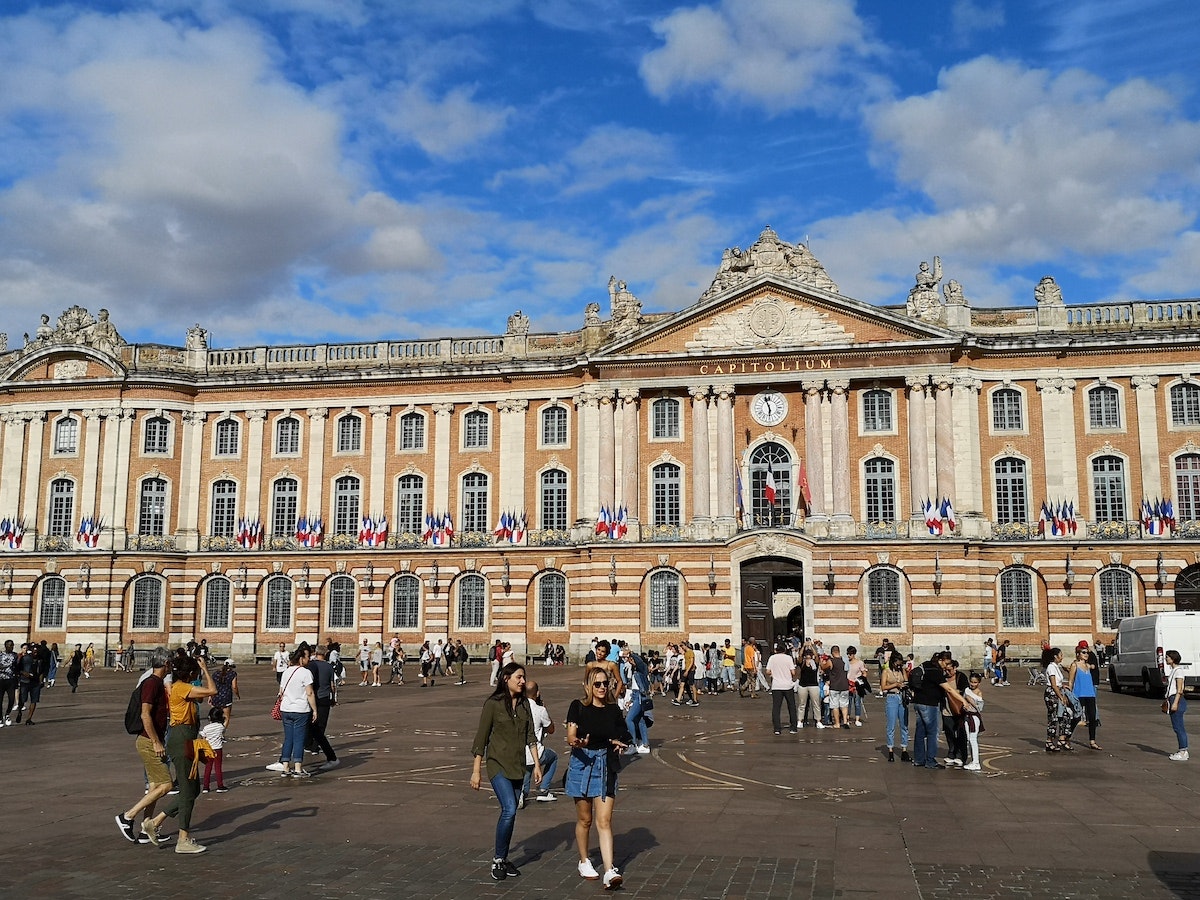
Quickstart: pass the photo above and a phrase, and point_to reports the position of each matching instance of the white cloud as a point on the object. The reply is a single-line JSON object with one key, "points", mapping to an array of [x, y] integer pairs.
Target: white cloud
{"points": [[449, 126], [776, 54], [968, 17]]}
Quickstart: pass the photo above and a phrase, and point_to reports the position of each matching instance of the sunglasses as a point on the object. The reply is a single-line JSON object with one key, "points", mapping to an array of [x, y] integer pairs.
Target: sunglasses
{"points": [[602, 684]]}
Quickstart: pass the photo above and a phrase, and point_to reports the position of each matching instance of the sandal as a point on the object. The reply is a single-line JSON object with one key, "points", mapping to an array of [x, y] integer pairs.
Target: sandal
{"points": [[1066, 745], [1093, 745], [1053, 748]]}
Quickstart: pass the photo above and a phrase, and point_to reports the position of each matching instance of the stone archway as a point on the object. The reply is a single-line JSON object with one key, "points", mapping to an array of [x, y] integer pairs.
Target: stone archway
{"points": [[772, 597], [1187, 589]]}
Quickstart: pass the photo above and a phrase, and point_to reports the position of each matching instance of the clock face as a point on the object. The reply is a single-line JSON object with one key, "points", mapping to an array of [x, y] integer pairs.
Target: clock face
{"points": [[769, 408]]}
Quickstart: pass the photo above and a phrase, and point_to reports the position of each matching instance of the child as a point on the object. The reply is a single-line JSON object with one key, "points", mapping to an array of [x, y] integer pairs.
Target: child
{"points": [[214, 733], [974, 721]]}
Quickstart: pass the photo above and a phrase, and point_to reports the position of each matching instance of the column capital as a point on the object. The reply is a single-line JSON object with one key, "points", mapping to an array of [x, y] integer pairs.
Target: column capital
{"points": [[128, 415], [1055, 385], [812, 387], [193, 417], [318, 412], [93, 414], [967, 382], [629, 396], [586, 399], [34, 415], [256, 415], [379, 411], [699, 392], [917, 383], [443, 409], [512, 406], [838, 385], [606, 398], [725, 391], [1144, 382]]}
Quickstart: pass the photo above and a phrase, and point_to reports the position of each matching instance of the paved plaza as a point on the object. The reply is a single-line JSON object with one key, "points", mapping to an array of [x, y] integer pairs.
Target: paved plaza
{"points": [[721, 809]]}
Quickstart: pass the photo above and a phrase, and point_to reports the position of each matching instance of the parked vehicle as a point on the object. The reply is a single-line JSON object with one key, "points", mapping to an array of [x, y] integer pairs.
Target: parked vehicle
{"points": [[1139, 660]]}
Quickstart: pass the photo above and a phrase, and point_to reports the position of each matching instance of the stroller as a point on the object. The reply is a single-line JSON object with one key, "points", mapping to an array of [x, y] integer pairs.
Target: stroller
{"points": [[1037, 675]]}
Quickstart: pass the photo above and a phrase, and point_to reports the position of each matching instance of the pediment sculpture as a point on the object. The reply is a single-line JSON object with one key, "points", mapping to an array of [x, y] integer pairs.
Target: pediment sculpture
{"points": [[76, 327], [770, 322], [769, 254]]}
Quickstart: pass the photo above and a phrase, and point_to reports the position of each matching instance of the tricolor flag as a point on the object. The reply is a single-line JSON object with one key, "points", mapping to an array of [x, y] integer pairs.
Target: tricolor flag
{"points": [[805, 491], [504, 528], [381, 532], [16, 533], [602, 521], [932, 521], [622, 525], [769, 487], [302, 531], [741, 506], [947, 512], [520, 527]]}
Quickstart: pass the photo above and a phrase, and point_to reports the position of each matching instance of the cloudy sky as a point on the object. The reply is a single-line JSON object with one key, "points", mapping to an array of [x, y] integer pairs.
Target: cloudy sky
{"points": [[312, 170]]}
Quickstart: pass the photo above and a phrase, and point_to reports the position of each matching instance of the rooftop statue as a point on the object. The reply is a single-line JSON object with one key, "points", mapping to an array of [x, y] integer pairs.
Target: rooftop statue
{"points": [[923, 299], [518, 323], [196, 338], [626, 308], [1048, 293], [769, 254], [77, 327]]}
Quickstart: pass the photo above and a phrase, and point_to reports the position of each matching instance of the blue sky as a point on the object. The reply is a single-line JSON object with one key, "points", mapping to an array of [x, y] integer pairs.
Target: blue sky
{"points": [[313, 170]]}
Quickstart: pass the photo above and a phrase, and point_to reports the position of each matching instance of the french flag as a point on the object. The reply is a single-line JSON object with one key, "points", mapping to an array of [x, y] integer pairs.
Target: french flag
{"points": [[769, 489]]}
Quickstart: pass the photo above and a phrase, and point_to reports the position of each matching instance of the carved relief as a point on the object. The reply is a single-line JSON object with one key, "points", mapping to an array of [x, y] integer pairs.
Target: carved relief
{"points": [[769, 254], [69, 369], [770, 322]]}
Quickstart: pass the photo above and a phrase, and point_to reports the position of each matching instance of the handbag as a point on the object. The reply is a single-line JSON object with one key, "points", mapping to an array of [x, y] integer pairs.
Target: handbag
{"points": [[864, 686], [1166, 707], [277, 709]]}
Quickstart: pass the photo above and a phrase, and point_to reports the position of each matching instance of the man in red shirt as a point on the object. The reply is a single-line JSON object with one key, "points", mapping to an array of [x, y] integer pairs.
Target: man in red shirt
{"points": [[150, 746]]}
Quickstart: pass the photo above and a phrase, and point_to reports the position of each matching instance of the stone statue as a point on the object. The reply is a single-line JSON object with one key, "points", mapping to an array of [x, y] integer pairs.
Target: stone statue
{"points": [[953, 293], [923, 299], [591, 314], [196, 338], [769, 254], [103, 335], [3, 341], [626, 308], [44, 331], [1048, 293], [518, 323]]}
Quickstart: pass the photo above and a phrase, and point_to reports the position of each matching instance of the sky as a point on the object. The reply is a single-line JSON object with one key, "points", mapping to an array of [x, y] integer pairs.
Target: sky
{"points": [[304, 171]]}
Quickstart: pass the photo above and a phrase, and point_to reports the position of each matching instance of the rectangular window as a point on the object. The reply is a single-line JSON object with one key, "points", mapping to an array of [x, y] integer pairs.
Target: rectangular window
{"points": [[664, 600], [1011, 504], [157, 435], [410, 511], [475, 433], [54, 603], [1104, 408], [62, 507], [152, 510], [227, 438], [1185, 404], [287, 437], [279, 604], [66, 435], [1116, 597], [665, 419], [471, 602], [216, 604], [1006, 410], [877, 411], [412, 431], [147, 603], [406, 603], [880, 490], [285, 498], [667, 493], [554, 427], [224, 509], [552, 601], [347, 501], [1016, 599], [475, 502], [349, 434], [883, 599]]}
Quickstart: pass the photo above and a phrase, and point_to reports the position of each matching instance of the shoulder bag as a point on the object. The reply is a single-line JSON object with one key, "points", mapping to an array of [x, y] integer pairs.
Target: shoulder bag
{"points": [[277, 709]]}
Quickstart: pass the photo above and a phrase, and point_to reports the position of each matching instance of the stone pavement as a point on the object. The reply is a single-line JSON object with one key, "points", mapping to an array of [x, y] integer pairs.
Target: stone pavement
{"points": [[722, 809]]}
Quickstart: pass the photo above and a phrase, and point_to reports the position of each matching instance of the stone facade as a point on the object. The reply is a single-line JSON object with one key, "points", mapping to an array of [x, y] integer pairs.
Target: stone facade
{"points": [[127, 473]]}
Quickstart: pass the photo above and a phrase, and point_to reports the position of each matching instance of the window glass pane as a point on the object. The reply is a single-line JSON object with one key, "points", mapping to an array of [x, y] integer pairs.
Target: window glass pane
{"points": [[554, 500], [287, 436], [775, 459], [664, 600], [66, 435], [1185, 404], [216, 603], [554, 426], [1187, 487], [475, 502], [62, 508], [667, 489], [1006, 410], [412, 431], [1116, 597], [349, 434], [1103, 408], [1016, 598], [279, 603], [880, 489], [406, 603], [666, 418], [341, 602], [410, 516], [54, 603], [224, 508], [476, 429], [156, 435], [285, 498], [147, 603], [1108, 486], [347, 496], [877, 411], [471, 602], [152, 509], [227, 438], [1011, 503], [883, 598], [552, 601]]}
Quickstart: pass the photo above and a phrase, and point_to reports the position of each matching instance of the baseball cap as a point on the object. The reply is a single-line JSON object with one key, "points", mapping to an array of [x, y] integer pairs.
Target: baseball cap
{"points": [[1082, 645], [230, 662]]}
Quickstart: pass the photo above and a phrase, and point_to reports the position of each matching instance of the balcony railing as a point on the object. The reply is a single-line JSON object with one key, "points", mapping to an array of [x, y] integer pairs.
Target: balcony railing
{"points": [[1114, 530], [549, 537], [1014, 531], [151, 542], [883, 530]]}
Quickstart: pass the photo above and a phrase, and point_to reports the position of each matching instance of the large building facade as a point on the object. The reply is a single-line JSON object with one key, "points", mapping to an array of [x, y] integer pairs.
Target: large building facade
{"points": [[777, 457]]}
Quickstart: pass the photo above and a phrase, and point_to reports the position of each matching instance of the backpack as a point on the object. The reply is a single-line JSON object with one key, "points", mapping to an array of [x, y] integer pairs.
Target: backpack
{"points": [[916, 678], [133, 712]]}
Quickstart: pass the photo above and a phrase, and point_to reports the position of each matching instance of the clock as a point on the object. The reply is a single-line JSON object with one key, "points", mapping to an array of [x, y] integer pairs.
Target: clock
{"points": [[769, 408]]}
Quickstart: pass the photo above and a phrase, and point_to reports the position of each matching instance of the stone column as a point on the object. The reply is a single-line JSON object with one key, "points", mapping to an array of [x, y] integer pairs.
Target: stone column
{"points": [[90, 451], [968, 475], [315, 493], [1144, 392], [726, 453], [814, 450], [107, 477], [511, 491], [918, 447], [119, 502], [839, 401], [11, 464], [588, 477], [1058, 442], [606, 412], [33, 474], [378, 491], [630, 472], [943, 437], [701, 465], [252, 496], [439, 496], [191, 453]]}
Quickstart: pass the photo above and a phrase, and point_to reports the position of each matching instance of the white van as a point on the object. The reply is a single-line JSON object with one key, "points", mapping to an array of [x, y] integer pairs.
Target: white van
{"points": [[1139, 660]]}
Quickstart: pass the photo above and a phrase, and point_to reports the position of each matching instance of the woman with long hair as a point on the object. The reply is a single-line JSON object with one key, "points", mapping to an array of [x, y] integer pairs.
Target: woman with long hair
{"points": [[506, 729], [1060, 712], [893, 682], [1081, 679], [1177, 704], [299, 708], [597, 735]]}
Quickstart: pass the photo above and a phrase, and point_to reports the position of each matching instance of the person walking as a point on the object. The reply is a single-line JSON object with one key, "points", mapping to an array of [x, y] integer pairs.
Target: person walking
{"points": [[376, 662], [893, 682], [1176, 704], [325, 692], [597, 736], [75, 667], [281, 661], [926, 681], [1081, 679], [781, 670], [506, 730], [89, 660], [8, 683], [151, 747], [214, 733], [225, 680], [1060, 713], [299, 707], [543, 725], [636, 676]]}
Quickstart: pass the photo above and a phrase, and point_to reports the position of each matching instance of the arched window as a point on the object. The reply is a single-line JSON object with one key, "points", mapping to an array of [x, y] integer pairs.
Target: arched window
{"points": [[666, 487], [287, 436], [554, 426], [406, 603], [410, 506], [156, 435], [285, 502], [279, 603], [1104, 407], [224, 508], [341, 602], [471, 602], [1012, 492], [1016, 599], [1108, 488], [475, 429], [553, 485], [1185, 404], [1187, 487], [216, 604], [349, 434], [1006, 410], [877, 411], [228, 434], [66, 435], [147, 603], [475, 502], [770, 464], [879, 487], [412, 431], [347, 501], [552, 601], [664, 418], [1116, 596], [664, 600], [54, 602], [152, 507], [62, 507], [883, 599]]}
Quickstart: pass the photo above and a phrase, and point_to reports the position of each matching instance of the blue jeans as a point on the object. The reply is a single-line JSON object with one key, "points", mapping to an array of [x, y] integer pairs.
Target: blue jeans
{"points": [[1177, 723], [506, 792], [295, 731], [549, 767], [925, 747], [635, 721], [897, 712]]}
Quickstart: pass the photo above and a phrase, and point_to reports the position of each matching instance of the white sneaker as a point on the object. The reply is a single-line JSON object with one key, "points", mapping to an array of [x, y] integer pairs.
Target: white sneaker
{"points": [[643, 749], [952, 762], [822, 725], [547, 797], [276, 767], [858, 724], [588, 871], [973, 767], [612, 878], [1181, 756]]}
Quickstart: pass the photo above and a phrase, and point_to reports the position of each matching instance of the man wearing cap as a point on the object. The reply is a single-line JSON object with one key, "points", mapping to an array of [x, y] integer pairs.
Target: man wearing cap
{"points": [[150, 746], [225, 681]]}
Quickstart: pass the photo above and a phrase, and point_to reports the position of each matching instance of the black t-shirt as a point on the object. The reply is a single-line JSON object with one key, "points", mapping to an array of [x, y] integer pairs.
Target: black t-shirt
{"points": [[322, 673], [807, 672], [600, 724], [837, 675], [930, 692]]}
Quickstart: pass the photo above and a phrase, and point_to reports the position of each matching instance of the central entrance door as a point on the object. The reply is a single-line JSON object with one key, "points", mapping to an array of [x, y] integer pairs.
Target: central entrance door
{"points": [[764, 582]]}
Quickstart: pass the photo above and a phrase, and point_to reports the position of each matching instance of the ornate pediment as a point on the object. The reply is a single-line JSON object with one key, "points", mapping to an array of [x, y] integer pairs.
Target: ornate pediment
{"points": [[770, 322], [76, 327], [769, 256]]}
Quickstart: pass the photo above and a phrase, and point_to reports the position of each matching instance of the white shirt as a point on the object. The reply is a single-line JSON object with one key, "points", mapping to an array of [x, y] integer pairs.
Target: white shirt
{"points": [[214, 733], [295, 697], [282, 661], [780, 667]]}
